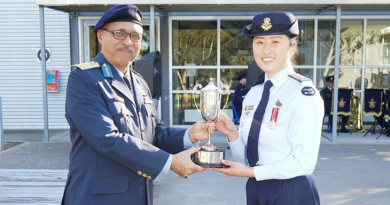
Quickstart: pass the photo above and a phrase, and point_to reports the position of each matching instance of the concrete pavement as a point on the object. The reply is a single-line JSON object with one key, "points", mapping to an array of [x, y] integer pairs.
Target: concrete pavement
{"points": [[355, 171]]}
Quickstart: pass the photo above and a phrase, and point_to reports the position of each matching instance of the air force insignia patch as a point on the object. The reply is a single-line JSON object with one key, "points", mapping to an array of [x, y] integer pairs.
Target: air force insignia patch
{"points": [[308, 91]]}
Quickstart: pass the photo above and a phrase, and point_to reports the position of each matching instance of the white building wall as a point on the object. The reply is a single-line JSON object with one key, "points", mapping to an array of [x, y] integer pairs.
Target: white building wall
{"points": [[20, 73]]}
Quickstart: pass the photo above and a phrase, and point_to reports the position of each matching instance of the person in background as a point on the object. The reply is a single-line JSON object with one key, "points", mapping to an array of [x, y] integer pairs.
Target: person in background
{"points": [[326, 95], [280, 130], [240, 93]]}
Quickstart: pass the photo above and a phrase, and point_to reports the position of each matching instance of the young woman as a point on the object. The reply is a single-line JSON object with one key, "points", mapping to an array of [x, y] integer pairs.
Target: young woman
{"points": [[280, 129]]}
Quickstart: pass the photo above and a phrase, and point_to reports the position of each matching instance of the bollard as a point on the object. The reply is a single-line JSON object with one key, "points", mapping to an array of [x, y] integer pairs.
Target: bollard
{"points": [[1, 127]]}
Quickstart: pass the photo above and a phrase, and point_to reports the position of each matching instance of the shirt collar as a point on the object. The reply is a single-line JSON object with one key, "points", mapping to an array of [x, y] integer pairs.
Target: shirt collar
{"points": [[281, 77], [127, 74]]}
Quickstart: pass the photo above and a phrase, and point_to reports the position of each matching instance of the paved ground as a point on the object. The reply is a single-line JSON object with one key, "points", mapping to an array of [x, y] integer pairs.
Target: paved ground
{"points": [[355, 171]]}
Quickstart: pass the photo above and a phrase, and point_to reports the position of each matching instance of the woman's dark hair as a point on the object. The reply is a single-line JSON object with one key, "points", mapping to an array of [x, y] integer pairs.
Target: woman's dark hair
{"points": [[294, 39]]}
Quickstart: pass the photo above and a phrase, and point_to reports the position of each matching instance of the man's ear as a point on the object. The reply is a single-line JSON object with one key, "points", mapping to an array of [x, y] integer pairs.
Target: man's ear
{"points": [[99, 34]]}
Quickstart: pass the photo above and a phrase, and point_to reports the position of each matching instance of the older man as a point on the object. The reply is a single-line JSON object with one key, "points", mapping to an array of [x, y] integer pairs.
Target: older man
{"points": [[119, 145]]}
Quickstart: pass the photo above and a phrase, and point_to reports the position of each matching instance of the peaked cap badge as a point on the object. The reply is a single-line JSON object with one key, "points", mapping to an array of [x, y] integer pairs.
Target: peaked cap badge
{"points": [[266, 24]]}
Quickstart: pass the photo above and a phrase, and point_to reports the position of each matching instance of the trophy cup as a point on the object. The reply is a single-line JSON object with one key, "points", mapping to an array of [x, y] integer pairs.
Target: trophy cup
{"points": [[210, 103]]}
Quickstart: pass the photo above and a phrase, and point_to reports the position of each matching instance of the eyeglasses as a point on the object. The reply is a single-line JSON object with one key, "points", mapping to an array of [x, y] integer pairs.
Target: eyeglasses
{"points": [[121, 35]]}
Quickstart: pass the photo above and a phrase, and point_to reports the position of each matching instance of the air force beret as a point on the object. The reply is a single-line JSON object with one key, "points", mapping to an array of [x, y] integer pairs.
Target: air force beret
{"points": [[120, 13], [272, 23]]}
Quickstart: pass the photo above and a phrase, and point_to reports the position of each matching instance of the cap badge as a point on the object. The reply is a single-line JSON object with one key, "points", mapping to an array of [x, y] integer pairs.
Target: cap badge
{"points": [[266, 24], [137, 16]]}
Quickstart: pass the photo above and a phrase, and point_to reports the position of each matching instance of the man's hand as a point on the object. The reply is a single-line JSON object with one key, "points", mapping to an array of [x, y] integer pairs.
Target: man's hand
{"points": [[235, 169], [225, 125], [199, 131], [183, 165]]}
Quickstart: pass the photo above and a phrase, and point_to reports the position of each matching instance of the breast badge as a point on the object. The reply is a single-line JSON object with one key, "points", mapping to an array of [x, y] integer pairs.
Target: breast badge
{"points": [[274, 115]]}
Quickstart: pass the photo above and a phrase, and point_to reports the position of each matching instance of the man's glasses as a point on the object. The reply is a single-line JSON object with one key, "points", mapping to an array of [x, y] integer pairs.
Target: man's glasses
{"points": [[121, 35]]}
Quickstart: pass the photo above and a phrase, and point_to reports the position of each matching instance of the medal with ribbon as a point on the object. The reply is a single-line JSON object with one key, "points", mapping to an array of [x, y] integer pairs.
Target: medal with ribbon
{"points": [[274, 115]]}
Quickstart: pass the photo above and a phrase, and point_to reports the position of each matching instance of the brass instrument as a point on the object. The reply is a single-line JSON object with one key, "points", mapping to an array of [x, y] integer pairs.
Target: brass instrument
{"points": [[355, 120]]}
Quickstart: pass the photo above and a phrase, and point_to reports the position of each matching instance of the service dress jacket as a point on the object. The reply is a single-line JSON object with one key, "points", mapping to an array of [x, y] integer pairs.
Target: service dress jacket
{"points": [[119, 145]]}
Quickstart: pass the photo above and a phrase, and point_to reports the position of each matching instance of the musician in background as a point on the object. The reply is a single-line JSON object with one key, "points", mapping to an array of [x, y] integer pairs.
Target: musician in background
{"points": [[326, 95]]}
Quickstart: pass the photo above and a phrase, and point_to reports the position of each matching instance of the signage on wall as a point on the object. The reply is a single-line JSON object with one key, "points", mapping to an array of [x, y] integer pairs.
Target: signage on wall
{"points": [[52, 80], [47, 55]]}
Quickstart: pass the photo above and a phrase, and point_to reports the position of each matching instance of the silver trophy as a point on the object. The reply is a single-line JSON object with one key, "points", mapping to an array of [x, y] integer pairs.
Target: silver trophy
{"points": [[210, 105]]}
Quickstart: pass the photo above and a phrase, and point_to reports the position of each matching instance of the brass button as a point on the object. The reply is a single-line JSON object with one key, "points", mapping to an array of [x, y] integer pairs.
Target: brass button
{"points": [[149, 177], [145, 175], [139, 173], [142, 129]]}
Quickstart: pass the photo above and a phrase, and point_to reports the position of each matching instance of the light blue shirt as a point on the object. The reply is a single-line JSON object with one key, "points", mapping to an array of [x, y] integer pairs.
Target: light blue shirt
{"points": [[290, 148]]}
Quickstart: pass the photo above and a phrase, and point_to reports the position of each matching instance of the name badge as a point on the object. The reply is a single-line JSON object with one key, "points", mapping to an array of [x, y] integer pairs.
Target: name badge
{"points": [[249, 107]]}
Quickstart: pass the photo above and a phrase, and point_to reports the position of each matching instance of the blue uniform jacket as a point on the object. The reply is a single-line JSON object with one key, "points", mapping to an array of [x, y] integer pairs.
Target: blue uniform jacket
{"points": [[118, 144], [326, 95]]}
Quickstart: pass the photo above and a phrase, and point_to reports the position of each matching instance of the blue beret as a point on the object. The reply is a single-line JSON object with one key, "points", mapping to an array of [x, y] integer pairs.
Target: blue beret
{"points": [[120, 13], [272, 23]]}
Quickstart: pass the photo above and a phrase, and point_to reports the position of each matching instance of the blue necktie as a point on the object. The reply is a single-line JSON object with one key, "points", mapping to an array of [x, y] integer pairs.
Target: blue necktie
{"points": [[254, 132]]}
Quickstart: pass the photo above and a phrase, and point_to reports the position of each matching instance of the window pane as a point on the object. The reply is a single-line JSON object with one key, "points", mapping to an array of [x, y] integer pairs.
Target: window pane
{"points": [[350, 78], [378, 77], [378, 42], [236, 49], [306, 42], [307, 72], [194, 43], [184, 109], [351, 46], [94, 45], [145, 48], [186, 79], [326, 42], [322, 73], [229, 77]]}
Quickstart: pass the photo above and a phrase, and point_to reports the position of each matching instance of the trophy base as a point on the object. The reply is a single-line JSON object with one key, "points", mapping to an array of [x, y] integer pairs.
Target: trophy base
{"points": [[209, 158]]}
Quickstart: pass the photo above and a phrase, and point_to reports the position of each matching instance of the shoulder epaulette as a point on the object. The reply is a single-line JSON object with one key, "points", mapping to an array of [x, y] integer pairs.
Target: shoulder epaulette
{"points": [[136, 73], [86, 66], [298, 77]]}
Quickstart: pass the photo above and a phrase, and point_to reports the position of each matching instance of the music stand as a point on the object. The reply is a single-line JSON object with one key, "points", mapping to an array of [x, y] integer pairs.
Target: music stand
{"points": [[344, 105], [386, 111], [373, 106]]}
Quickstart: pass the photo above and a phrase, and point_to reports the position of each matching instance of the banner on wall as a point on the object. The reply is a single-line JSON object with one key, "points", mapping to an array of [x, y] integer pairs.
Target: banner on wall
{"points": [[52, 80]]}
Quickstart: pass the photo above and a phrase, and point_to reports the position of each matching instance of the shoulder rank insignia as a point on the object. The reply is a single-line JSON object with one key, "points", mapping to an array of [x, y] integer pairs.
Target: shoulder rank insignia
{"points": [[107, 71], [298, 77], [132, 70], [86, 66]]}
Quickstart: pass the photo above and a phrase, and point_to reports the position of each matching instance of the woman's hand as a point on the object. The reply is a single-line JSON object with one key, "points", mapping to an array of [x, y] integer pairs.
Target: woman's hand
{"points": [[235, 169], [225, 125]]}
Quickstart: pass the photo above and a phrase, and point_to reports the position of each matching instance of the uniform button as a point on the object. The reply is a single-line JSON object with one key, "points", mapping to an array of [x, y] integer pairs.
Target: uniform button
{"points": [[139, 173], [139, 114], [149, 177], [145, 175], [142, 129]]}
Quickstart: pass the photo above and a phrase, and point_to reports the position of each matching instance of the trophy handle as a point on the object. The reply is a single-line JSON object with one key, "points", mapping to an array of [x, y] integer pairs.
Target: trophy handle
{"points": [[196, 91], [226, 92]]}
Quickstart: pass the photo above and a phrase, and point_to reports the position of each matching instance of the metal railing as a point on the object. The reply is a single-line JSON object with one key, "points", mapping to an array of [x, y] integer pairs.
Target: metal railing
{"points": [[1, 127]]}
